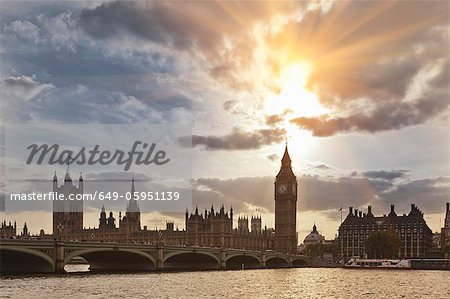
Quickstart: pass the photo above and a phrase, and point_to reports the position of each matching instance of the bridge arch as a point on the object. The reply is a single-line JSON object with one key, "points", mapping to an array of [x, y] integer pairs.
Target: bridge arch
{"points": [[243, 261], [104, 259], [13, 259], [191, 260], [277, 262], [299, 263]]}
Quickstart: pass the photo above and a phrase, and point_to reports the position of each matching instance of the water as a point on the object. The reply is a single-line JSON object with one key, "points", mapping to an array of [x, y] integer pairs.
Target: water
{"points": [[277, 283]]}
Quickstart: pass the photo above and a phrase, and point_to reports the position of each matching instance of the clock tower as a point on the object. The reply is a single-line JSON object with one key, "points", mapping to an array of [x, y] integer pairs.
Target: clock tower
{"points": [[285, 207]]}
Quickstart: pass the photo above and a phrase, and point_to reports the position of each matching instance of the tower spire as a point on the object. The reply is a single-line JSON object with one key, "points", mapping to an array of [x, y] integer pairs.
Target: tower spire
{"points": [[286, 160], [133, 203]]}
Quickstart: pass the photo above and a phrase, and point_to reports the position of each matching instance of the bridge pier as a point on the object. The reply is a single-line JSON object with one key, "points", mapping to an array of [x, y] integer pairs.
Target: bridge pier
{"points": [[290, 261], [159, 259], [223, 259], [59, 257], [263, 259]]}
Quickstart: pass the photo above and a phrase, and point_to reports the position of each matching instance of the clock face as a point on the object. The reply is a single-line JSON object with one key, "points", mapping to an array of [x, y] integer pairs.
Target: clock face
{"points": [[282, 188]]}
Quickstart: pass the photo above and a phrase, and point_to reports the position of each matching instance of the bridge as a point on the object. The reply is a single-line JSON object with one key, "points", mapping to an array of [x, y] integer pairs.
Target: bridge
{"points": [[51, 256]]}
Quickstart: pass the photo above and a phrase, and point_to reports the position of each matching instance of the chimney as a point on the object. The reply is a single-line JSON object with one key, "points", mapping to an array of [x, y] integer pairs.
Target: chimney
{"points": [[392, 213], [360, 213], [412, 207], [350, 210], [369, 210], [447, 207], [356, 212]]}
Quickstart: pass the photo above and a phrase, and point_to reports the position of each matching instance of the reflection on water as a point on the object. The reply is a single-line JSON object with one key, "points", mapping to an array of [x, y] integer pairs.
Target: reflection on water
{"points": [[279, 283]]}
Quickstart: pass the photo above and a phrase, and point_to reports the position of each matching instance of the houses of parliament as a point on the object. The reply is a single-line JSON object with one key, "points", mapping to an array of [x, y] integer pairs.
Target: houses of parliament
{"points": [[210, 228]]}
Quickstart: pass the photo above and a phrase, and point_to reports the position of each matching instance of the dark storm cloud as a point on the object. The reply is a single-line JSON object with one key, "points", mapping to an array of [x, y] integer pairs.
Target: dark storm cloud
{"points": [[236, 140], [385, 175]]}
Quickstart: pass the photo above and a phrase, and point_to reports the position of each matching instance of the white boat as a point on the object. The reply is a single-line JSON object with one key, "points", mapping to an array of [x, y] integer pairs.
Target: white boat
{"points": [[359, 263]]}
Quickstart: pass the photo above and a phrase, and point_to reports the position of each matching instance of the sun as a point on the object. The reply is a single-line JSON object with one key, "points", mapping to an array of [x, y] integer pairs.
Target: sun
{"points": [[293, 96], [293, 101]]}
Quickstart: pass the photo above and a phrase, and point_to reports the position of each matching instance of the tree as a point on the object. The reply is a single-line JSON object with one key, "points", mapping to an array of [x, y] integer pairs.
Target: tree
{"points": [[446, 248], [383, 244], [314, 250]]}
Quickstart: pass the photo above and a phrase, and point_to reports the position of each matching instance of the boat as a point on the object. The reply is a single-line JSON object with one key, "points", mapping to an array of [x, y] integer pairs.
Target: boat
{"points": [[358, 263], [418, 264]]}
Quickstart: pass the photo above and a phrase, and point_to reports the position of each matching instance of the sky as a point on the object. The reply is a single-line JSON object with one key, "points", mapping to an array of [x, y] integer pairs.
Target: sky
{"points": [[359, 89]]}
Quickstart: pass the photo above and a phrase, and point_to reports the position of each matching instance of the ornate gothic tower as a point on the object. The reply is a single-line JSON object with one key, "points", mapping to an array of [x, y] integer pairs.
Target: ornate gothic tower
{"points": [[131, 222], [67, 214], [285, 207]]}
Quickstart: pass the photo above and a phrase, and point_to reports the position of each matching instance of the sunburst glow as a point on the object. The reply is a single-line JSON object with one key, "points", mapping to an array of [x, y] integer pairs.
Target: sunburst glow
{"points": [[294, 97]]}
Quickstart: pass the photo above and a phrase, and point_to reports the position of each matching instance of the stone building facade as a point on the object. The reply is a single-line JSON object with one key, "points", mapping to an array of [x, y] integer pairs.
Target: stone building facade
{"points": [[209, 228], [67, 214], [415, 235], [7, 231], [445, 232]]}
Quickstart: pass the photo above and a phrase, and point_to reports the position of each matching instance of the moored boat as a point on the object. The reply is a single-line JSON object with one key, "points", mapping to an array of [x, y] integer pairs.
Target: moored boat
{"points": [[357, 263], [419, 264]]}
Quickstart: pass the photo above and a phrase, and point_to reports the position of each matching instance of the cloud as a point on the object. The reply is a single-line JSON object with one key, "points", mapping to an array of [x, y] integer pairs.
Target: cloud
{"points": [[322, 166], [385, 175], [389, 116], [324, 193], [272, 157], [227, 105], [219, 35], [236, 140], [274, 119], [245, 194], [23, 87], [374, 70], [23, 29], [316, 193], [61, 31], [428, 194]]}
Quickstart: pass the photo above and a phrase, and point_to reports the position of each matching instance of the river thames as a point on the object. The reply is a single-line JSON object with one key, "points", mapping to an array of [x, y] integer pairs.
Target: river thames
{"points": [[277, 283]]}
